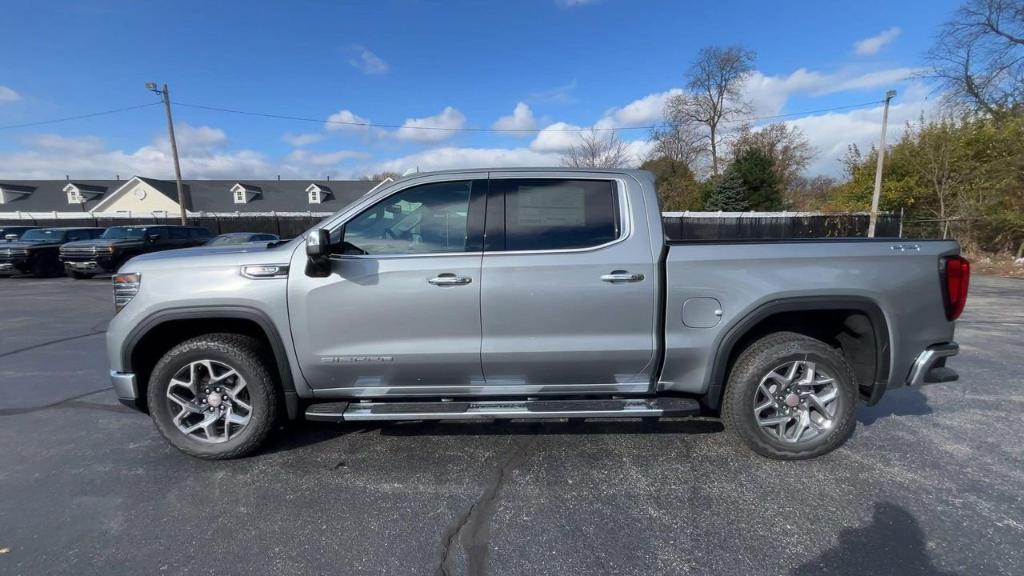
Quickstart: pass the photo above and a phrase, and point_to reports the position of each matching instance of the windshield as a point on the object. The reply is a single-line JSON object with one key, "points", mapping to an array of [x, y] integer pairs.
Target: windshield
{"points": [[227, 240], [124, 233], [43, 235]]}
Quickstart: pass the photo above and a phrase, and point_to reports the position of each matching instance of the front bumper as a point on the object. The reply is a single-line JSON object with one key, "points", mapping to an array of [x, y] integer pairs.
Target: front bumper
{"points": [[126, 388], [930, 366]]}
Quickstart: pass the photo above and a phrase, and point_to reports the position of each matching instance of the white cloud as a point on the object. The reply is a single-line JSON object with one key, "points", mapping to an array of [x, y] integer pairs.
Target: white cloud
{"points": [[520, 119], [830, 134], [366, 61], [66, 144], [432, 128], [346, 121], [644, 111], [557, 137], [193, 139], [768, 94], [451, 157], [323, 159], [870, 46], [557, 95], [201, 152], [300, 140], [8, 95]]}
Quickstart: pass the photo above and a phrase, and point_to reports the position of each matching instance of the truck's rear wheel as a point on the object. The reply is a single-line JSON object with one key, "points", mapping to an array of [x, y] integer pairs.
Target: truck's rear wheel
{"points": [[213, 396], [791, 397]]}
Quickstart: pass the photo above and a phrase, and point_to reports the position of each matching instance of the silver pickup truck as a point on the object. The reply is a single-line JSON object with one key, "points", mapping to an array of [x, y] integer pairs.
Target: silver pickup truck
{"points": [[529, 293]]}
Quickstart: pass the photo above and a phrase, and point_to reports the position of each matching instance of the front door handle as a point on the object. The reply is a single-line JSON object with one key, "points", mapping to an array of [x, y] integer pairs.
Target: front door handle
{"points": [[449, 279], [621, 276]]}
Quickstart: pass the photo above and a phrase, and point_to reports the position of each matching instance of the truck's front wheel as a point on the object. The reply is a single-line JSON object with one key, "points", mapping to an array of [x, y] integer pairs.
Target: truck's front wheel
{"points": [[790, 397], [213, 396]]}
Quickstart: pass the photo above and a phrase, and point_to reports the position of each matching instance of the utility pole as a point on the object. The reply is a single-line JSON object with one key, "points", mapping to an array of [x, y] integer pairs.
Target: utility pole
{"points": [[165, 95], [878, 169]]}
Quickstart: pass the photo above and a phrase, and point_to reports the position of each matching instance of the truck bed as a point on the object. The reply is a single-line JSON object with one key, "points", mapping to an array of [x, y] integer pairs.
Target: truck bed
{"points": [[717, 286]]}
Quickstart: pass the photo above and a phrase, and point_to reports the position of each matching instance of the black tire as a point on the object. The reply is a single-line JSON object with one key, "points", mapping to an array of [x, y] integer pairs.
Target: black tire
{"points": [[245, 355], [761, 358], [40, 269], [80, 275]]}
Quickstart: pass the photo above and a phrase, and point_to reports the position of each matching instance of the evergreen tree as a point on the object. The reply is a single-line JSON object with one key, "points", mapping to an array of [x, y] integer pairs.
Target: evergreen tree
{"points": [[730, 194], [760, 179]]}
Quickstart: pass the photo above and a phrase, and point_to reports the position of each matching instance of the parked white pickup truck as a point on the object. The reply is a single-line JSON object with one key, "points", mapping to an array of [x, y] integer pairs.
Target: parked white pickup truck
{"points": [[529, 293]]}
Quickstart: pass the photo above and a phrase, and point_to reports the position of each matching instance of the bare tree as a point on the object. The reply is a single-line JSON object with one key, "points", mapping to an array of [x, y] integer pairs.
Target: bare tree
{"points": [[598, 149], [786, 145], [712, 94], [381, 176], [680, 143], [979, 56]]}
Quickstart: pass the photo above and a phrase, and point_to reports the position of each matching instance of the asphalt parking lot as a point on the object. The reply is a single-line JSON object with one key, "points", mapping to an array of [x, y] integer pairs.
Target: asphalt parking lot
{"points": [[931, 483]]}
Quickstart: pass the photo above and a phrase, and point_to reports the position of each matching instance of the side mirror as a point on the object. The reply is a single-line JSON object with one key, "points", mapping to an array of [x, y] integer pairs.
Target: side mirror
{"points": [[10, 237], [153, 237], [318, 250]]}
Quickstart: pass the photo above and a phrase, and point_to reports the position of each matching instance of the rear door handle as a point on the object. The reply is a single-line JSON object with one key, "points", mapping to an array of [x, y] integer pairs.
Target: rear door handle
{"points": [[449, 279], [622, 276]]}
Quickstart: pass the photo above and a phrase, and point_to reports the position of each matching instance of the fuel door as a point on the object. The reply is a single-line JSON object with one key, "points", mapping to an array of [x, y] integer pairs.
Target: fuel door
{"points": [[702, 312]]}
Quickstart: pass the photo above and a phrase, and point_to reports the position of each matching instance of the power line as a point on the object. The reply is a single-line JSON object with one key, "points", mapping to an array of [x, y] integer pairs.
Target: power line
{"points": [[521, 130], [80, 117]]}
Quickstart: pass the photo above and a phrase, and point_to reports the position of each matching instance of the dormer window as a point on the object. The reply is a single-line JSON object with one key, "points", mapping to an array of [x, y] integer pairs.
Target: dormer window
{"points": [[80, 193], [242, 193], [74, 194], [9, 193], [317, 193]]}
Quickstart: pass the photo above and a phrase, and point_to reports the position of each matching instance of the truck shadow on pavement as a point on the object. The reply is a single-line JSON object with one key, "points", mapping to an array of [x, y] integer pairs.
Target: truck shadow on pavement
{"points": [[905, 401], [300, 434], [893, 543]]}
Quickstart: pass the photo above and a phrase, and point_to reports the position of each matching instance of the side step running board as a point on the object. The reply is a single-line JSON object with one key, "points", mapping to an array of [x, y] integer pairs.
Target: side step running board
{"points": [[502, 409]]}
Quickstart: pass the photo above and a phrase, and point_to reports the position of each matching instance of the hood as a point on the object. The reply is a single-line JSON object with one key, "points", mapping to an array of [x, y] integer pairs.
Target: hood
{"points": [[22, 244], [101, 243], [254, 253]]}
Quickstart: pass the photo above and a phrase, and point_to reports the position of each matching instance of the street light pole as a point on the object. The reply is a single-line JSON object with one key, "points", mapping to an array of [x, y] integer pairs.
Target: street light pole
{"points": [[878, 169], [165, 95]]}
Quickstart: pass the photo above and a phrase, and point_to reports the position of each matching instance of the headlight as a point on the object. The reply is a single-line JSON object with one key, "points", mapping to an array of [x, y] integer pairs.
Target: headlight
{"points": [[126, 286], [111, 249]]}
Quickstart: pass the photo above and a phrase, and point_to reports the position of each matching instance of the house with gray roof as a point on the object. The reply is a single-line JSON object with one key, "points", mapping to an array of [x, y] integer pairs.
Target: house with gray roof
{"points": [[142, 196]]}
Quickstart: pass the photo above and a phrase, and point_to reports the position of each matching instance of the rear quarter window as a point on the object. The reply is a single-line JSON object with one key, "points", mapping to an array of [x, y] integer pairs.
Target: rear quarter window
{"points": [[559, 214]]}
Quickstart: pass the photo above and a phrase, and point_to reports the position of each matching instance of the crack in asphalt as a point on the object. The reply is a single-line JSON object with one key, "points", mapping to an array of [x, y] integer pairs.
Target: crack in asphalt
{"points": [[61, 403], [472, 529], [49, 343]]}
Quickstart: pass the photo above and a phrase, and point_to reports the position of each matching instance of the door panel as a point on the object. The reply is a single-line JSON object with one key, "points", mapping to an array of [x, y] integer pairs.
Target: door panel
{"points": [[378, 322], [555, 317], [399, 312]]}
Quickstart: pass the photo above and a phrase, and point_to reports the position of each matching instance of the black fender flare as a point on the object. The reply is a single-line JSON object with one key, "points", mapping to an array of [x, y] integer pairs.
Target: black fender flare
{"points": [[727, 341], [235, 312]]}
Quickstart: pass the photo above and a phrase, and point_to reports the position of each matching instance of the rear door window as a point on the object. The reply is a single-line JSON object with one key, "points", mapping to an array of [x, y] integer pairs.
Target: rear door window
{"points": [[559, 214]]}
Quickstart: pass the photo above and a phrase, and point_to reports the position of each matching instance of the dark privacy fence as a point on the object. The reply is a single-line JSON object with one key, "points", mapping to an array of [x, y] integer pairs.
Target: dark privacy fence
{"points": [[678, 226], [775, 225]]}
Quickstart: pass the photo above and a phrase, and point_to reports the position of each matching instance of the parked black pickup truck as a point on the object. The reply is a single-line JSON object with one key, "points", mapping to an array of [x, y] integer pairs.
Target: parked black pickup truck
{"points": [[36, 252], [107, 253]]}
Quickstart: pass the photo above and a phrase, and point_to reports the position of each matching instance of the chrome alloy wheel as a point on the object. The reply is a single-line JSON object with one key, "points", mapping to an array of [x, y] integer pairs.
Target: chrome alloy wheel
{"points": [[211, 401], [796, 401]]}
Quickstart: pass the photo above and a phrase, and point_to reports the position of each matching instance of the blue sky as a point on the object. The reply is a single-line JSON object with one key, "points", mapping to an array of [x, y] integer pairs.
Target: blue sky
{"points": [[556, 63]]}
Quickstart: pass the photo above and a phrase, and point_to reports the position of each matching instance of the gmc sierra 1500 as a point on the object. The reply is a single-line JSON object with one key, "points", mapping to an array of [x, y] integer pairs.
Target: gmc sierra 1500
{"points": [[529, 293]]}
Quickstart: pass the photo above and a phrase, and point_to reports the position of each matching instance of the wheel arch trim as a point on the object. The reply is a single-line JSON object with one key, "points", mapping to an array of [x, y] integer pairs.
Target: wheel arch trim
{"points": [[716, 378], [234, 312]]}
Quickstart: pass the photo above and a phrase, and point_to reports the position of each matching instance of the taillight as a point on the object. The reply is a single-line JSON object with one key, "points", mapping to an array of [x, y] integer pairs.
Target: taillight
{"points": [[957, 276]]}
